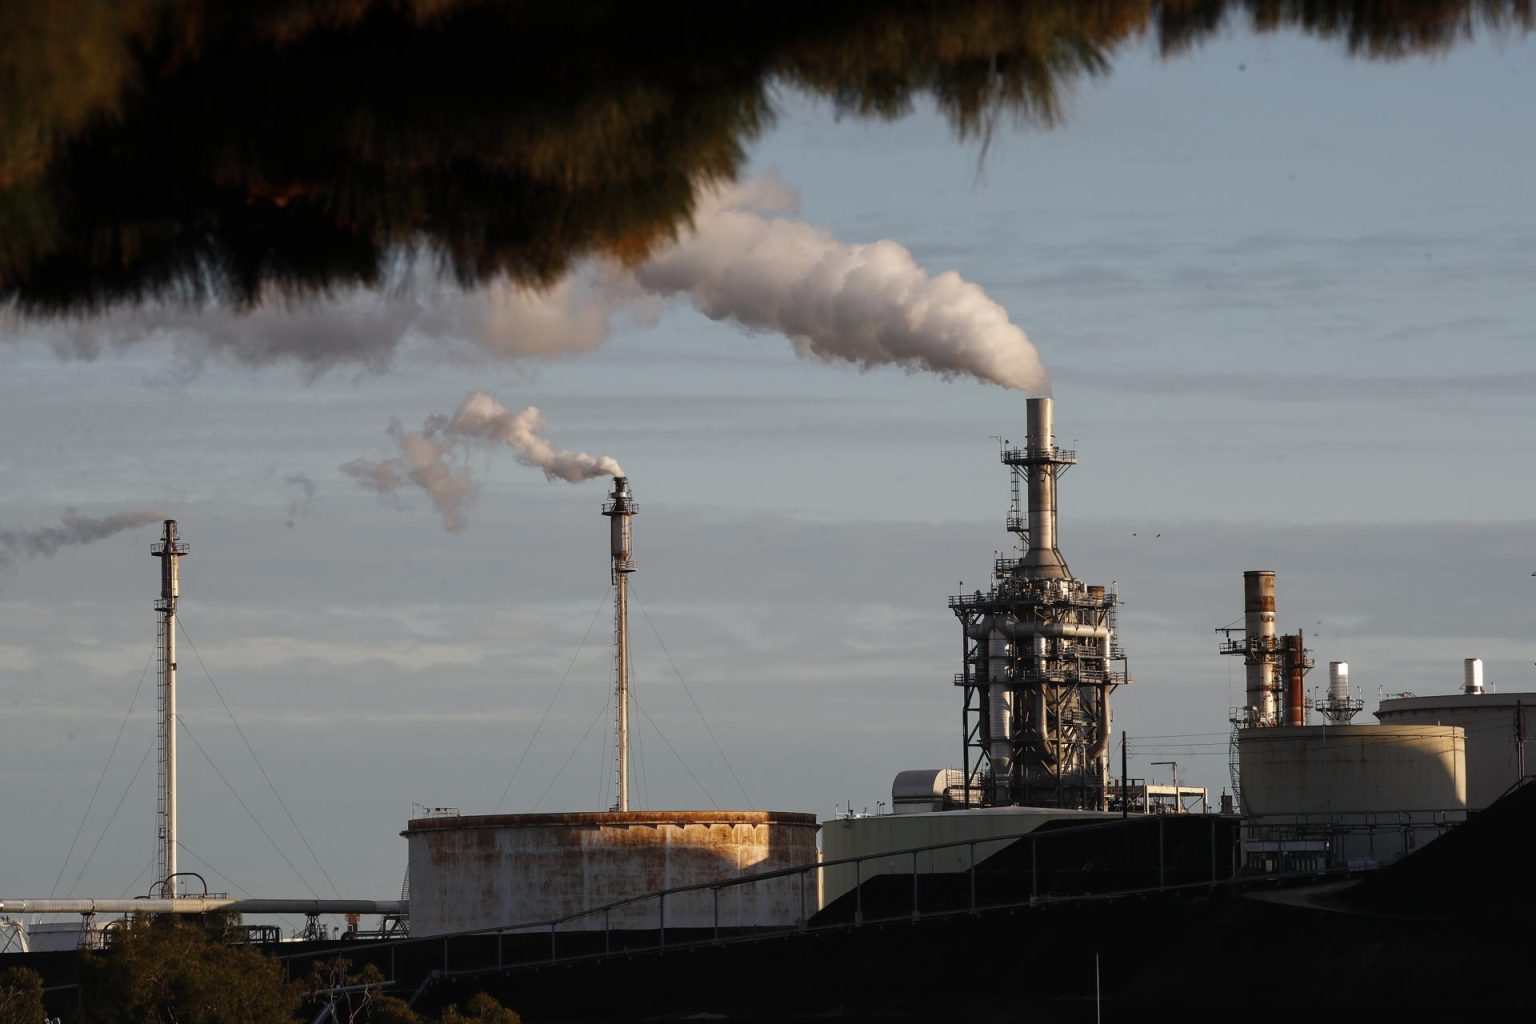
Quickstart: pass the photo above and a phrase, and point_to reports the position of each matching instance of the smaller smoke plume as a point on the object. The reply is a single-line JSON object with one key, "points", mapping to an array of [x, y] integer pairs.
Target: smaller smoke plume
{"points": [[301, 496], [483, 418], [73, 530], [423, 462], [432, 458]]}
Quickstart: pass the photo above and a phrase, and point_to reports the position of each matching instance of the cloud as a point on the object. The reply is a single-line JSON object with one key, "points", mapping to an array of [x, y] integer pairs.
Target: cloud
{"points": [[1304, 387]]}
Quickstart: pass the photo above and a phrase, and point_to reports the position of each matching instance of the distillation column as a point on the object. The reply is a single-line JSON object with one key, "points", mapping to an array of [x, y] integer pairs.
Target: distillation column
{"points": [[169, 550], [619, 509]]}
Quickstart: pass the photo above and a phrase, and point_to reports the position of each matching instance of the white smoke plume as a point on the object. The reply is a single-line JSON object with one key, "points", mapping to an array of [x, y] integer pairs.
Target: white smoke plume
{"points": [[424, 462], [432, 458], [74, 529], [743, 260], [483, 418], [871, 305], [357, 330]]}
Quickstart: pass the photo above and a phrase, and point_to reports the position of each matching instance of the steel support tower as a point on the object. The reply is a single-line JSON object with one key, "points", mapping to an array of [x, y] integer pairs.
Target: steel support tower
{"points": [[619, 509], [1040, 654], [169, 549]]}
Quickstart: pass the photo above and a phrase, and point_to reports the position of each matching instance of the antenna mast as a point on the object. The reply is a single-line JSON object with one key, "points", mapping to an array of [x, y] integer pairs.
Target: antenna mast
{"points": [[619, 509], [169, 550]]}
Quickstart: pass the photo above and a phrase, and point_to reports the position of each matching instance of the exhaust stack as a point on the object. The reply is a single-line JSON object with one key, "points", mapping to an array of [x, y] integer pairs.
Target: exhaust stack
{"points": [[1043, 463], [1259, 632], [619, 508], [1339, 707], [169, 550], [1472, 677], [1277, 666]]}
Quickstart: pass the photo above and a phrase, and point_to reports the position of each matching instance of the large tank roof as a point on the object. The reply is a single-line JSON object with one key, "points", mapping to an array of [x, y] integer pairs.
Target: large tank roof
{"points": [[1325, 733], [566, 819], [1453, 701]]}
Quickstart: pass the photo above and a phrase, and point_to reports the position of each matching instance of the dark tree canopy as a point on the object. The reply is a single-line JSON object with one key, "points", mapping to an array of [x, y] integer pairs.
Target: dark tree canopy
{"points": [[192, 149], [21, 996], [349, 997], [173, 970]]}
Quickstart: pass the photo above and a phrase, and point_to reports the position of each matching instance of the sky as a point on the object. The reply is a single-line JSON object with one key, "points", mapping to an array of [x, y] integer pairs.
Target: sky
{"points": [[1286, 302]]}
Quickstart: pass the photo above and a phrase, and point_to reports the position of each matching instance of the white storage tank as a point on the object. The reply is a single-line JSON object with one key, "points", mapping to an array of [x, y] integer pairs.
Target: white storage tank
{"points": [[494, 871], [1492, 723], [1365, 791]]}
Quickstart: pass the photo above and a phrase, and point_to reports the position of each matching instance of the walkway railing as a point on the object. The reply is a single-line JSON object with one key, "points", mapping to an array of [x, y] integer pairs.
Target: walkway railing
{"points": [[924, 882]]}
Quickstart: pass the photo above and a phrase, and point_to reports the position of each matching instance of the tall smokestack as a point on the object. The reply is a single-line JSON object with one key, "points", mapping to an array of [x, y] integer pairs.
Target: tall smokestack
{"points": [[619, 508], [1259, 625], [169, 550], [1043, 464], [1296, 665]]}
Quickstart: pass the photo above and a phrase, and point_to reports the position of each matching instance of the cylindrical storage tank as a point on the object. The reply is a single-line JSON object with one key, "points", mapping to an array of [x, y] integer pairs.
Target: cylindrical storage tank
{"points": [[1345, 769], [1495, 723], [498, 871], [1338, 681], [1472, 676], [1355, 792]]}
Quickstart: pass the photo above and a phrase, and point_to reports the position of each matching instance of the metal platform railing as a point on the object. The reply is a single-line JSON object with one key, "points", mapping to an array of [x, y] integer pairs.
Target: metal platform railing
{"points": [[946, 879]]}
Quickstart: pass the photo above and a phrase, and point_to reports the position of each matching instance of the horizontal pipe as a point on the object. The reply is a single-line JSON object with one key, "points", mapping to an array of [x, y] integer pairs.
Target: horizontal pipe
{"points": [[1014, 629], [197, 905]]}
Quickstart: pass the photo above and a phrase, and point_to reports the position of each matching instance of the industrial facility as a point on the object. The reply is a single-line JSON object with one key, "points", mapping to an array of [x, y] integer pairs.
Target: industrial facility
{"points": [[1031, 836], [172, 891], [1494, 724], [1041, 658], [509, 870], [1325, 796], [1041, 654]]}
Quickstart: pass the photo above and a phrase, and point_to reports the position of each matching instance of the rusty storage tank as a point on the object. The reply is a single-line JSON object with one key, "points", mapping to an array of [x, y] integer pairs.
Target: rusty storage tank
{"points": [[501, 870]]}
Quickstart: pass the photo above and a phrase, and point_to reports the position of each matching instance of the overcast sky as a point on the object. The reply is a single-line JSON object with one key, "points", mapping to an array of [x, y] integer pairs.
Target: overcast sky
{"points": [[1287, 303]]}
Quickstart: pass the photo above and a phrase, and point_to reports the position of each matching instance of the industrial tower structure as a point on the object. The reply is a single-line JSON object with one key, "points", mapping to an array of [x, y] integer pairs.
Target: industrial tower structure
{"points": [[1276, 666], [619, 509], [169, 549], [1039, 649]]}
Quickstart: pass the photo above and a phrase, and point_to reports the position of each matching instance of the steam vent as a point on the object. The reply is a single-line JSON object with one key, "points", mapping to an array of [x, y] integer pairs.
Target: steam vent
{"points": [[469, 872], [1040, 654]]}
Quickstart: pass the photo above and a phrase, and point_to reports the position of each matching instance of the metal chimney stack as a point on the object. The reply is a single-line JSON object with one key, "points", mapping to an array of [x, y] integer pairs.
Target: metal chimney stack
{"points": [[1042, 462], [169, 550], [1259, 627], [619, 508]]}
